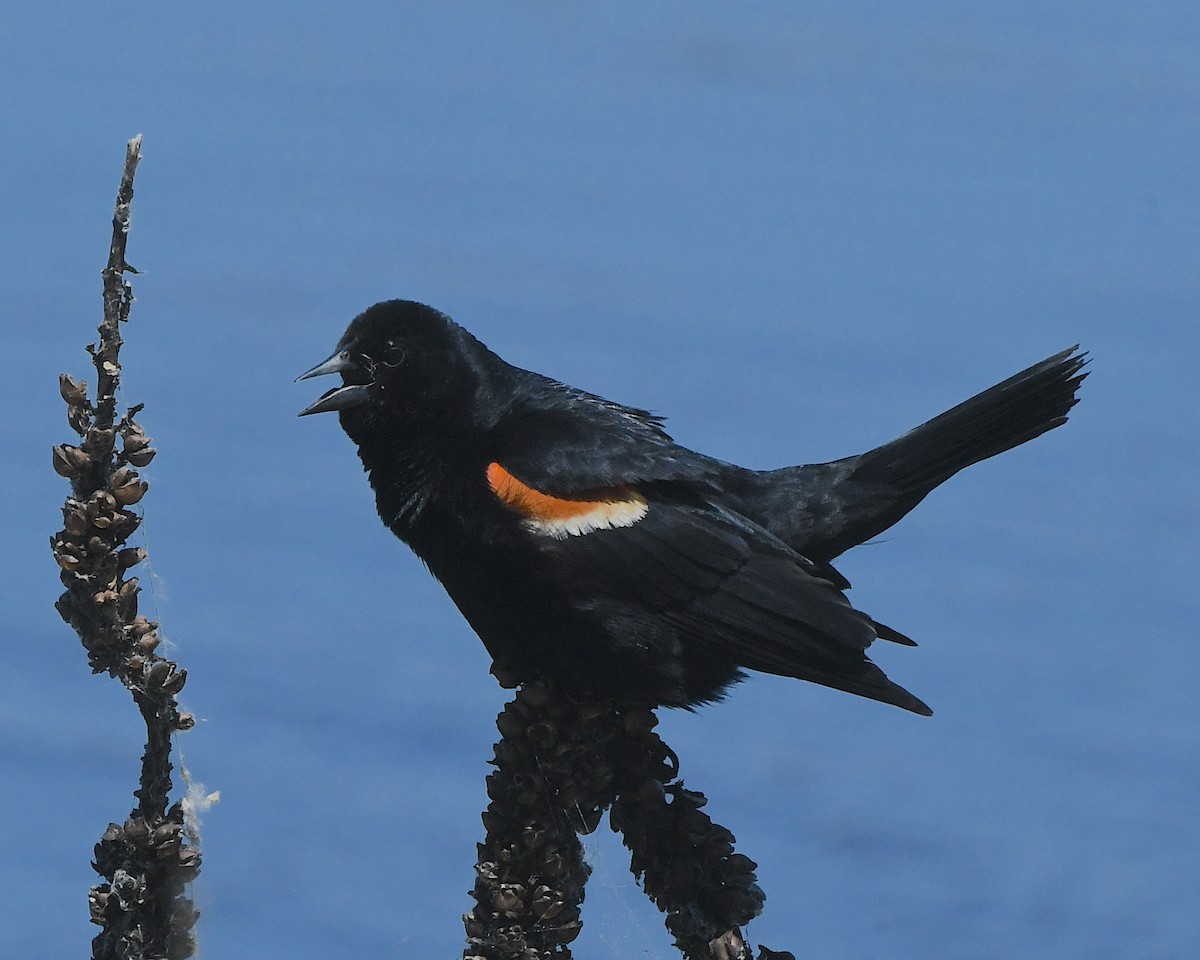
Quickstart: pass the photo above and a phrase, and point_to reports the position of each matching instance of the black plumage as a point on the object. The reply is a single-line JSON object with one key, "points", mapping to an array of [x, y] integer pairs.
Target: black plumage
{"points": [[582, 543]]}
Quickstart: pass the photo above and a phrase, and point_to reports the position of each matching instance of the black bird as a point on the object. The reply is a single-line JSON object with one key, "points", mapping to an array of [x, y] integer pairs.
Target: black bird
{"points": [[581, 543]]}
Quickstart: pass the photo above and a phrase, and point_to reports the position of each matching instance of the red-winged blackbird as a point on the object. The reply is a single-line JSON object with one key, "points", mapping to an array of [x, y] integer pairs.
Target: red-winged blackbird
{"points": [[581, 543]]}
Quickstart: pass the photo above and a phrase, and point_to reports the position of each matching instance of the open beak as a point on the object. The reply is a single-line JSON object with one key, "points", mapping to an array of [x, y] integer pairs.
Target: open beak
{"points": [[339, 398]]}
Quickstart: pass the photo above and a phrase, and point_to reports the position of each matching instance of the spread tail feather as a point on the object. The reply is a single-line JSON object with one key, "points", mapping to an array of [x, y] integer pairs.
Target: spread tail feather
{"points": [[1022, 407], [847, 502]]}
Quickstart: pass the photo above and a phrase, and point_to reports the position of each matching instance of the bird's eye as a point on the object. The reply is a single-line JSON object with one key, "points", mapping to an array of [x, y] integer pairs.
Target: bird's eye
{"points": [[392, 356]]}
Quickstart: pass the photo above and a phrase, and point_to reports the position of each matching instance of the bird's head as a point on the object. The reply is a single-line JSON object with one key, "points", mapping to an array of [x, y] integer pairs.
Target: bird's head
{"points": [[400, 361]]}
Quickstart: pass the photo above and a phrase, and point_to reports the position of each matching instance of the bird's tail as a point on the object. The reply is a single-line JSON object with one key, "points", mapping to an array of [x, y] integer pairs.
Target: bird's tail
{"points": [[1021, 408], [849, 501]]}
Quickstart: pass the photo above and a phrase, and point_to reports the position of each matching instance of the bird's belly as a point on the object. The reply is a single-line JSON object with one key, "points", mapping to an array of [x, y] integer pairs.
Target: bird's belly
{"points": [[534, 625]]}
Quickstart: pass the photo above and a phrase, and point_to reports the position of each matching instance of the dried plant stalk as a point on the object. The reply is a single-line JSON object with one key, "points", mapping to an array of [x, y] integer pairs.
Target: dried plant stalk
{"points": [[551, 782], [561, 762], [145, 862]]}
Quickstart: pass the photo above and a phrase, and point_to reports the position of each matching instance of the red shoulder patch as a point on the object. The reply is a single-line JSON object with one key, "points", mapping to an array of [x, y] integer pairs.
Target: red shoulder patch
{"points": [[573, 516]]}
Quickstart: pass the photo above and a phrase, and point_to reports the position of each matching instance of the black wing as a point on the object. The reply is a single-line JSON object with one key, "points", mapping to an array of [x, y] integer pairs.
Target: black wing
{"points": [[562, 440], [723, 588]]}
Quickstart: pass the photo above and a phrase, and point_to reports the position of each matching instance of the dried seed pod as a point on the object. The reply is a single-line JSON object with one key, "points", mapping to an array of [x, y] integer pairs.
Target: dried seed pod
{"points": [[729, 946], [69, 461], [157, 672], [74, 520], [136, 829], [548, 903], [130, 493], [166, 833], [140, 626], [127, 595], [67, 562], [98, 904], [101, 502], [133, 437], [174, 683], [131, 557], [185, 722], [142, 457], [475, 930], [564, 933], [113, 833], [123, 524], [509, 899], [148, 642], [135, 444], [72, 390], [67, 547], [487, 870], [79, 417]]}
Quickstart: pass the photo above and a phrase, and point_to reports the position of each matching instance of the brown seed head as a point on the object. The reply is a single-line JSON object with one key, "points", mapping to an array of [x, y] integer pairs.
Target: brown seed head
{"points": [[79, 417], [72, 390], [131, 557], [141, 626], [101, 502], [174, 682], [69, 461], [133, 437], [130, 493], [74, 520], [142, 457]]}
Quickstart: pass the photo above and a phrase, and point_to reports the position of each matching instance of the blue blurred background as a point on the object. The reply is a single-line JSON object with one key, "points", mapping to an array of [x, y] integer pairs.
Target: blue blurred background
{"points": [[798, 230]]}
